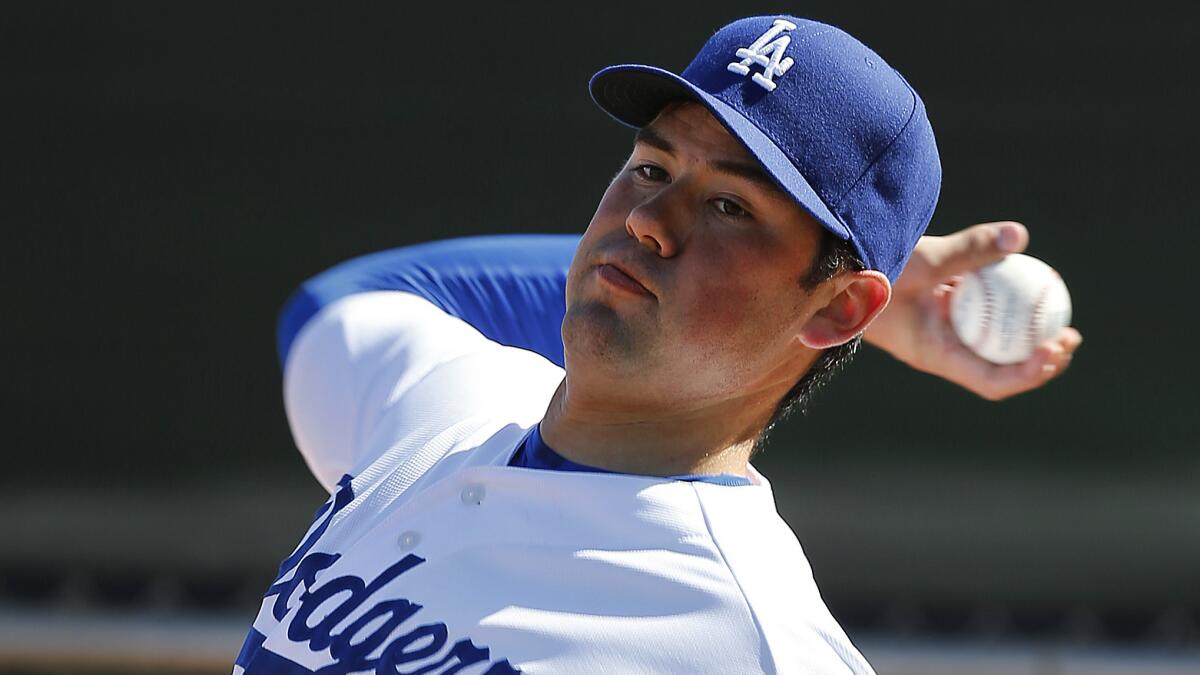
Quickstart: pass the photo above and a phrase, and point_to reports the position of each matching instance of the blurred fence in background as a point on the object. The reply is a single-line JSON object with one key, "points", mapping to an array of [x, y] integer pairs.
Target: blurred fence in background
{"points": [[991, 576]]}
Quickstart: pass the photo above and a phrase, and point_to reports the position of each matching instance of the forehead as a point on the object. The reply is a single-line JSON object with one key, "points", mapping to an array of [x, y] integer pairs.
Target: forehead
{"points": [[689, 132], [688, 124]]}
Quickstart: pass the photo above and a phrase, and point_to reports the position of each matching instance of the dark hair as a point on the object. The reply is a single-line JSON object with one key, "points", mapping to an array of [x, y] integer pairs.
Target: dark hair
{"points": [[834, 257]]}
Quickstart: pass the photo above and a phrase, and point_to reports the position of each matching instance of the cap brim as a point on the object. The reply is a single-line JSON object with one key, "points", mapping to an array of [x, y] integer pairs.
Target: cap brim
{"points": [[635, 94]]}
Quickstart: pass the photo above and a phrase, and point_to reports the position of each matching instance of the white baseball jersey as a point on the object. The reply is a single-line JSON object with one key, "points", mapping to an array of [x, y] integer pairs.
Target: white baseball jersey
{"points": [[433, 555]]}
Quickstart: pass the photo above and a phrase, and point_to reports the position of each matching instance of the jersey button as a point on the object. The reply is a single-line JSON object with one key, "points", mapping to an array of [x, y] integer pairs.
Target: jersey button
{"points": [[408, 540], [472, 495]]}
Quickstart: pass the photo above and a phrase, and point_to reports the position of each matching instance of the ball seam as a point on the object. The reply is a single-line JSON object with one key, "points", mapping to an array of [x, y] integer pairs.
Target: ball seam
{"points": [[985, 313], [1034, 326]]}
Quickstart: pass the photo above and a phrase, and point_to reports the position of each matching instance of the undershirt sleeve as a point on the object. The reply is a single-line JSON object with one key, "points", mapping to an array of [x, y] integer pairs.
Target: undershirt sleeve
{"points": [[355, 340], [511, 288]]}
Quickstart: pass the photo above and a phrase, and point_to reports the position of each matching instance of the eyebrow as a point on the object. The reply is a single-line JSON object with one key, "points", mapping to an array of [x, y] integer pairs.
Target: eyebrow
{"points": [[750, 172], [653, 139]]}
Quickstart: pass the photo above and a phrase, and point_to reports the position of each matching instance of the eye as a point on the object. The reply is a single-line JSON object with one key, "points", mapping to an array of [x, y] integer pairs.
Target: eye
{"points": [[651, 173], [729, 208]]}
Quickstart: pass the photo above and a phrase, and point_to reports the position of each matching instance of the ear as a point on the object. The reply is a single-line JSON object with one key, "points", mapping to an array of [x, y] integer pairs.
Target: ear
{"points": [[858, 297]]}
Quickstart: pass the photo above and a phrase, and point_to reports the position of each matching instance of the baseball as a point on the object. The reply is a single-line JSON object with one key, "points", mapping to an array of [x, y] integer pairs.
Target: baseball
{"points": [[1003, 311]]}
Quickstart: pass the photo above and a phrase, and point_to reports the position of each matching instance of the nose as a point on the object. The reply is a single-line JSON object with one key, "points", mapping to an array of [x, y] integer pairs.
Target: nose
{"points": [[653, 223]]}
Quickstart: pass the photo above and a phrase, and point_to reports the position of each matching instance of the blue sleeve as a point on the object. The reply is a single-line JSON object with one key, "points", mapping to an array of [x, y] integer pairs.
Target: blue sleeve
{"points": [[511, 288]]}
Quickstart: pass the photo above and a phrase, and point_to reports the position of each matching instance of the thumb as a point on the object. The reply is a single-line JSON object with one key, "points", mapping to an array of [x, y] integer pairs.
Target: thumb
{"points": [[979, 245]]}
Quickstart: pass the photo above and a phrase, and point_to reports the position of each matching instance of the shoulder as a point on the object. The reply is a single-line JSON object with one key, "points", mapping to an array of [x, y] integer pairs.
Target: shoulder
{"points": [[367, 322], [376, 370], [766, 560]]}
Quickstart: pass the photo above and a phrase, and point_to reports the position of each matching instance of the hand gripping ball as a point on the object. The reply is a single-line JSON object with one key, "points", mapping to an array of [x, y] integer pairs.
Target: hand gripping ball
{"points": [[1003, 311]]}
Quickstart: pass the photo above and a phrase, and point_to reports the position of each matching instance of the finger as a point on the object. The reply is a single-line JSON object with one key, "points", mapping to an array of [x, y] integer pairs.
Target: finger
{"points": [[942, 296], [1049, 360], [1070, 339], [965, 368], [1018, 378], [957, 363], [995, 382], [1062, 348], [979, 245]]}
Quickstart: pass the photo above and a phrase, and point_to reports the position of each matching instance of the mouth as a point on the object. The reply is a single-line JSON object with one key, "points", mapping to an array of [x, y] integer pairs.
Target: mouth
{"points": [[617, 277]]}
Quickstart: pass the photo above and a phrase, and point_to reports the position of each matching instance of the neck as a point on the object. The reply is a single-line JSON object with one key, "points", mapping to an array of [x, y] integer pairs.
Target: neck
{"points": [[656, 440]]}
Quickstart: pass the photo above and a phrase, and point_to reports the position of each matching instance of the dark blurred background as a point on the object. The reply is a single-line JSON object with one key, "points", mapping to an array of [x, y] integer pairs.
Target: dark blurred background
{"points": [[172, 171]]}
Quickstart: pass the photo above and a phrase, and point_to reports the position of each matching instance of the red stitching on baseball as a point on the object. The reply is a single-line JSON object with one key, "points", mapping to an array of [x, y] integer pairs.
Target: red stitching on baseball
{"points": [[985, 316], [1031, 330]]}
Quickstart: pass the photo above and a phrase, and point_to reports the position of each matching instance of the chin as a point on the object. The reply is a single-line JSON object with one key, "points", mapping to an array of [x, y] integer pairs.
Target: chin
{"points": [[595, 332]]}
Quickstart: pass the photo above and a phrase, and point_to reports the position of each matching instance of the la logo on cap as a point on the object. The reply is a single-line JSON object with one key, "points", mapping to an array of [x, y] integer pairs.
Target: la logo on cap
{"points": [[766, 51]]}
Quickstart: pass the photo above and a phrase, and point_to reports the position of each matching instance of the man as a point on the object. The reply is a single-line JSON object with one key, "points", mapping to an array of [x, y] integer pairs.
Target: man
{"points": [[493, 514]]}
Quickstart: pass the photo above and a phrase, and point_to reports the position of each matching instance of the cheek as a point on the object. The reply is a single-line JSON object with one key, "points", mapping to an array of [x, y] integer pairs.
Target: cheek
{"points": [[610, 215], [613, 209], [735, 314], [722, 308]]}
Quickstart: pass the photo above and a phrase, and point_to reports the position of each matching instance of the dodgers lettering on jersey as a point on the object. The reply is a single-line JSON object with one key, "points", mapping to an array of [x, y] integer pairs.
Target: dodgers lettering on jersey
{"points": [[386, 634]]}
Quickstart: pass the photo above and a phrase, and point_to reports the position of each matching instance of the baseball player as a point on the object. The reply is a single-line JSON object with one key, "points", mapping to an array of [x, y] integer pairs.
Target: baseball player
{"points": [[537, 447]]}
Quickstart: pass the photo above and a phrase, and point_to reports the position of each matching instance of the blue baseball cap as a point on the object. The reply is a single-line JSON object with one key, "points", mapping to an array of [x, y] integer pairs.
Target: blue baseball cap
{"points": [[837, 128]]}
